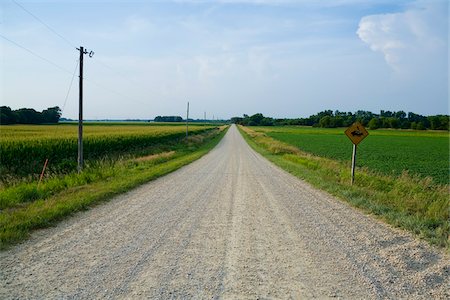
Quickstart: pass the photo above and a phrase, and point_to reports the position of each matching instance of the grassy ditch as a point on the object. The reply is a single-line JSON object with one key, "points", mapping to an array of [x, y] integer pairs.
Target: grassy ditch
{"points": [[25, 206], [416, 204]]}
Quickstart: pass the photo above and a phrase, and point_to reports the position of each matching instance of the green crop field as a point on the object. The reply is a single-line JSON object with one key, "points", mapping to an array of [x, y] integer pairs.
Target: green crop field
{"points": [[24, 148], [387, 151]]}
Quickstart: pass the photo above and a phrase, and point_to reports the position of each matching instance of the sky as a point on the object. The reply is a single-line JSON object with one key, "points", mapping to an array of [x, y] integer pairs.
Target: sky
{"points": [[282, 58]]}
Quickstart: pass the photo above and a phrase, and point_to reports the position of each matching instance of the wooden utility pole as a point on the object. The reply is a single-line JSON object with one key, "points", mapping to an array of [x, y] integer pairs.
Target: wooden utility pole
{"points": [[80, 113], [187, 119], [80, 110]]}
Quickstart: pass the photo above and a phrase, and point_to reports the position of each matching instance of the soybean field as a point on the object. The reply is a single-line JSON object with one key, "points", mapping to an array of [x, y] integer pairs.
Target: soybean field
{"points": [[390, 152]]}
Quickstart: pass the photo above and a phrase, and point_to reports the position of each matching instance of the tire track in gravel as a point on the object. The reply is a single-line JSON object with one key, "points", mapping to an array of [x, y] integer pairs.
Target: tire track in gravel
{"points": [[228, 226]]}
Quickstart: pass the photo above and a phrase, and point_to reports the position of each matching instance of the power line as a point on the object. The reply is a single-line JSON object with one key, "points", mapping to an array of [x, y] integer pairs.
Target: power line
{"points": [[37, 55], [65, 70], [70, 86], [68, 42], [43, 23], [61, 68]]}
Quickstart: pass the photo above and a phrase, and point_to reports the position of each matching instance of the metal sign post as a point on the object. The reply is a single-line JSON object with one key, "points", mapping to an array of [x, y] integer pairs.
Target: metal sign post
{"points": [[353, 163], [356, 133]]}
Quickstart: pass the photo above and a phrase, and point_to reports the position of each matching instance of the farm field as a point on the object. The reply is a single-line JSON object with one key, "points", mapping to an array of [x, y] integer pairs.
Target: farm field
{"points": [[387, 151], [24, 148]]}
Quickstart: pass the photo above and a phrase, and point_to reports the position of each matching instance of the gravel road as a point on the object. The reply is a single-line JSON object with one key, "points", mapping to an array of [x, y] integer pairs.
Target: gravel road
{"points": [[230, 225]]}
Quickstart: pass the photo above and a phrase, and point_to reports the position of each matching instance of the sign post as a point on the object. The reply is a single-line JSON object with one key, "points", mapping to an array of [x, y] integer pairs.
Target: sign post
{"points": [[353, 163], [356, 133]]}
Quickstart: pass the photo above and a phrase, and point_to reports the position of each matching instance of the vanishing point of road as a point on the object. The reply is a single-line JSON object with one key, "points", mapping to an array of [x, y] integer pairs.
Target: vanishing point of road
{"points": [[230, 226]]}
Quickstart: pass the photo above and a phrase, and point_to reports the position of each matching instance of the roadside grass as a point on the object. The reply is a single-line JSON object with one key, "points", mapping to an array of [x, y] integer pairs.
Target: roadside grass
{"points": [[25, 206], [410, 202]]}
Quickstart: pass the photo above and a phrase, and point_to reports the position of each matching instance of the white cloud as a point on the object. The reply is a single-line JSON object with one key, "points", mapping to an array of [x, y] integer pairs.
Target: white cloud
{"points": [[409, 40]]}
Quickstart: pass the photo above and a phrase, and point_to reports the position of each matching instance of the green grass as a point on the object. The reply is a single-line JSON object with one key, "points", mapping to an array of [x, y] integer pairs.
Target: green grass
{"points": [[416, 204], [390, 152], [25, 206]]}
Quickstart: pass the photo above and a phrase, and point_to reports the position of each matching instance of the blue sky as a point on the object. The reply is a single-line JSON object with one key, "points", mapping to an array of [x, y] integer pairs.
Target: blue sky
{"points": [[283, 58]]}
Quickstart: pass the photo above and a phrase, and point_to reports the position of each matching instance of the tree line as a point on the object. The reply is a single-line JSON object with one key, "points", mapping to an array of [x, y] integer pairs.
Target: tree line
{"points": [[330, 119], [50, 115], [168, 119]]}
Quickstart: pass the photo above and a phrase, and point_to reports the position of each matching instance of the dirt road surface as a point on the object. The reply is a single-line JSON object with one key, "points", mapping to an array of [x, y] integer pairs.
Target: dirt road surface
{"points": [[229, 226]]}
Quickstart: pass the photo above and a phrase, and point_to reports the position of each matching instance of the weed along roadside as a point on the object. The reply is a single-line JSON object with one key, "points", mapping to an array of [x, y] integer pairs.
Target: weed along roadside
{"points": [[24, 206], [418, 205]]}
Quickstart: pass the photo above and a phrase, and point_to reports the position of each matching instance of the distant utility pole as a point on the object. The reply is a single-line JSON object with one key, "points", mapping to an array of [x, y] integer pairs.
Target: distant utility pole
{"points": [[80, 109], [187, 119], [204, 116]]}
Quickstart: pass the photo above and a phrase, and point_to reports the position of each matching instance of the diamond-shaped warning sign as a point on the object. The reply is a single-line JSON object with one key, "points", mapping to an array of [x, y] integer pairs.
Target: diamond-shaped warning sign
{"points": [[356, 133]]}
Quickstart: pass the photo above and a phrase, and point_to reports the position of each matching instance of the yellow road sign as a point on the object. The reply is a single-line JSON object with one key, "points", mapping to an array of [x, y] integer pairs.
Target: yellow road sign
{"points": [[356, 133]]}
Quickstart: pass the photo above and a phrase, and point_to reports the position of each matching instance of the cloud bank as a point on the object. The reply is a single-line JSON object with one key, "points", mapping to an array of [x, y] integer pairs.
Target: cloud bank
{"points": [[410, 41]]}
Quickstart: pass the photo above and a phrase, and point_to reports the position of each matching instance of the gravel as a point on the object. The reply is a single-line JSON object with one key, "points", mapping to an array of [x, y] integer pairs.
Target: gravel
{"points": [[230, 225]]}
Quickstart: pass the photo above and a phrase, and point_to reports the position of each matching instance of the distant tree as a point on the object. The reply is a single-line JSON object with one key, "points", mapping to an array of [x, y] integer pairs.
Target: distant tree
{"points": [[374, 123], [325, 122], [51, 115], [7, 116], [405, 124], [29, 116], [266, 122], [256, 119], [420, 126], [386, 114], [439, 122], [393, 122], [349, 119], [236, 120], [364, 116], [338, 121], [168, 119]]}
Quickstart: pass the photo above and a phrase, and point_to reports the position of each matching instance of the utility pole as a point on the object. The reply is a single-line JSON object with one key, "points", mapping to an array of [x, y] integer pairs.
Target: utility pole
{"points": [[80, 110], [204, 116], [187, 119]]}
